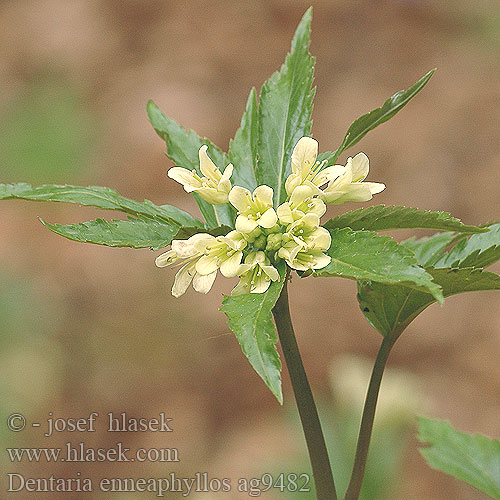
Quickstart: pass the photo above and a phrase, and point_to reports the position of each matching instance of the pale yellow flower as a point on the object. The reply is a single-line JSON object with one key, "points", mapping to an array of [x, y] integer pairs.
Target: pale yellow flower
{"points": [[304, 244], [305, 169], [253, 211], [255, 274], [224, 252], [306, 233], [188, 252], [302, 201], [347, 184], [303, 259], [214, 187]]}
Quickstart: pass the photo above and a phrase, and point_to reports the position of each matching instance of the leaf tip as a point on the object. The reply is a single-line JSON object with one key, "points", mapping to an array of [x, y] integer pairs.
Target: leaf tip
{"points": [[278, 394], [438, 295]]}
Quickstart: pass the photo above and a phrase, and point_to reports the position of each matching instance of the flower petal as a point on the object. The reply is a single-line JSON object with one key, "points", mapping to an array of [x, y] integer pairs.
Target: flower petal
{"points": [[321, 239], [234, 239], [193, 245], [268, 218], [240, 198], [264, 195], [310, 220], [165, 259], [292, 182], [304, 155], [206, 264], [185, 177], [203, 284], [212, 195], [182, 279], [360, 167], [244, 224], [329, 174], [300, 193], [244, 268], [289, 251], [272, 272], [321, 260], [330, 197], [316, 206], [375, 187], [225, 183], [346, 177], [260, 258], [207, 166], [230, 267], [261, 284], [297, 265], [284, 213], [359, 191]]}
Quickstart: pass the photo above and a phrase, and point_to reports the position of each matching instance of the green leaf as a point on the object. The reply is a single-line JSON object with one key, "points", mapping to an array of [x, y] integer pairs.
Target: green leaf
{"points": [[363, 255], [250, 318], [186, 232], [182, 148], [391, 308], [364, 124], [383, 218], [142, 232], [480, 250], [472, 458], [96, 196], [285, 108], [429, 249], [243, 148]]}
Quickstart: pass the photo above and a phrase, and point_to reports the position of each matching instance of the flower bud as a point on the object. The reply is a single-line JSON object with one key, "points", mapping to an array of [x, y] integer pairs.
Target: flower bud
{"points": [[260, 242]]}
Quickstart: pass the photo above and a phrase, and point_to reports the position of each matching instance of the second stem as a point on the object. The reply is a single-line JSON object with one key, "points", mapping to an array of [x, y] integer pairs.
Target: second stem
{"points": [[366, 427]]}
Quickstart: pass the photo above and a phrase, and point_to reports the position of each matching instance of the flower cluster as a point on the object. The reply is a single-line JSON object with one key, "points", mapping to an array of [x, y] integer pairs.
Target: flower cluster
{"points": [[263, 235]]}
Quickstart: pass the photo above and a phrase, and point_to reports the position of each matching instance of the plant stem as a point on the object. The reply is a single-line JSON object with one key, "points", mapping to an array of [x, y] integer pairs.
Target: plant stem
{"points": [[322, 472], [366, 427]]}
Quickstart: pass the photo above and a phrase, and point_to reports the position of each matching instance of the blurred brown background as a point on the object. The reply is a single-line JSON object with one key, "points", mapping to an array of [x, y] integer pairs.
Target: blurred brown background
{"points": [[87, 328]]}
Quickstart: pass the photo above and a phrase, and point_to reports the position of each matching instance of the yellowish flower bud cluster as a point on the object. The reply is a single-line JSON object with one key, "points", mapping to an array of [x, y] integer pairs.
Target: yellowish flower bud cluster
{"points": [[263, 235]]}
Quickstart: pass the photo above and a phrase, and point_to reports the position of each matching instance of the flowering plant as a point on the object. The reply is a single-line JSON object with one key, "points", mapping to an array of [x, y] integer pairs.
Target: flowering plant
{"points": [[263, 235], [262, 203]]}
